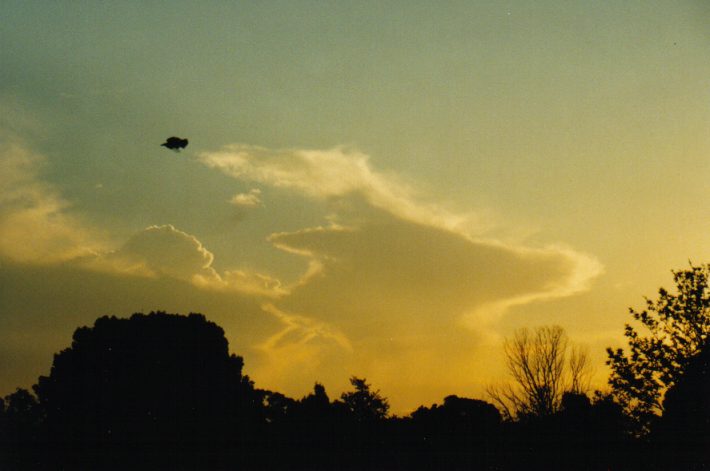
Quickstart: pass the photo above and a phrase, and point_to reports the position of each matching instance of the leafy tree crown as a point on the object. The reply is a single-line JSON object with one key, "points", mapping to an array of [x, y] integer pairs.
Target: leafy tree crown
{"points": [[675, 328]]}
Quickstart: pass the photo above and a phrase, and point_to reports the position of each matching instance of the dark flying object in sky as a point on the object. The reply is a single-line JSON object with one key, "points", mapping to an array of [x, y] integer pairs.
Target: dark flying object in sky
{"points": [[175, 143]]}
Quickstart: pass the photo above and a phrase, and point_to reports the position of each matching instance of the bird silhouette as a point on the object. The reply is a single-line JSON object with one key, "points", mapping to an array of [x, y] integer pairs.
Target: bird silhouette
{"points": [[175, 143]]}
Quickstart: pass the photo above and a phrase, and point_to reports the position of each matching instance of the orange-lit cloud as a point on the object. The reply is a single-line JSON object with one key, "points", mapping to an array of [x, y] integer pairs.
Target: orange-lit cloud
{"points": [[389, 267], [301, 349], [408, 283], [389, 232]]}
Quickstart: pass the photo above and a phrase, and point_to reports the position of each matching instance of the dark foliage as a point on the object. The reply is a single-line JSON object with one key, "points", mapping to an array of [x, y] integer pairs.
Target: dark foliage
{"points": [[161, 391], [681, 437], [20, 426], [677, 327], [584, 435], [144, 389], [362, 404], [461, 433]]}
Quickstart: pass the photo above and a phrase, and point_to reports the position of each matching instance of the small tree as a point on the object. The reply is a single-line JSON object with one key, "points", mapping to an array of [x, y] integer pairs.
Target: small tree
{"points": [[538, 363], [677, 328], [363, 404]]}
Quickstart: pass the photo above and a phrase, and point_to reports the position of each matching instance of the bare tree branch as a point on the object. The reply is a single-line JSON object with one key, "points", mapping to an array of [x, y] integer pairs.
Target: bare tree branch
{"points": [[537, 363]]}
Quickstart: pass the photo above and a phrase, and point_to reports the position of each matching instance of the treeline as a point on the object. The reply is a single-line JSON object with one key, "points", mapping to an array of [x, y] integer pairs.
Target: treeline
{"points": [[161, 391]]}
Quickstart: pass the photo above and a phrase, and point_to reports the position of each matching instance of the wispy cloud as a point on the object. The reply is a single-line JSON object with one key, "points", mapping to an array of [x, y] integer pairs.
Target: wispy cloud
{"points": [[336, 173], [302, 330], [302, 349], [36, 223]]}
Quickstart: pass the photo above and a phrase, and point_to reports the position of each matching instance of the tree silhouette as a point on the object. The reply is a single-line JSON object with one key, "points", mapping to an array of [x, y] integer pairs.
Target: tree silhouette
{"points": [[20, 429], [461, 433], [362, 403], [542, 372], [681, 436], [317, 402], [678, 326], [20, 412], [147, 387], [316, 417], [278, 407], [161, 391]]}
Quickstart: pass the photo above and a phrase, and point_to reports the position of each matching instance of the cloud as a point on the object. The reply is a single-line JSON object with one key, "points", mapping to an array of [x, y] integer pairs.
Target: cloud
{"points": [[301, 330], [165, 251], [36, 224], [247, 282], [336, 173], [423, 242], [421, 305], [300, 350], [410, 284], [407, 277], [247, 200]]}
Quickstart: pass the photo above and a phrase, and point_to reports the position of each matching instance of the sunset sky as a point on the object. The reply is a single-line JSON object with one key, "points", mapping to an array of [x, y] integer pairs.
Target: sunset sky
{"points": [[380, 189]]}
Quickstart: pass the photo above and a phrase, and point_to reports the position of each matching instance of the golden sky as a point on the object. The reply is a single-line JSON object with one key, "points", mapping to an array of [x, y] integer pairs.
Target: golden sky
{"points": [[376, 189]]}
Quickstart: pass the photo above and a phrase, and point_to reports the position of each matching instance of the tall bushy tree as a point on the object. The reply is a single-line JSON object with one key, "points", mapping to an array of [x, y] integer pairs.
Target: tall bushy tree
{"points": [[675, 329], [131, 389]]}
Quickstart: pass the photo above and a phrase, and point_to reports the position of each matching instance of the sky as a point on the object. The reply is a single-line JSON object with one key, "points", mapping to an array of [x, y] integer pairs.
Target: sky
{"points": [[380, 189]]}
